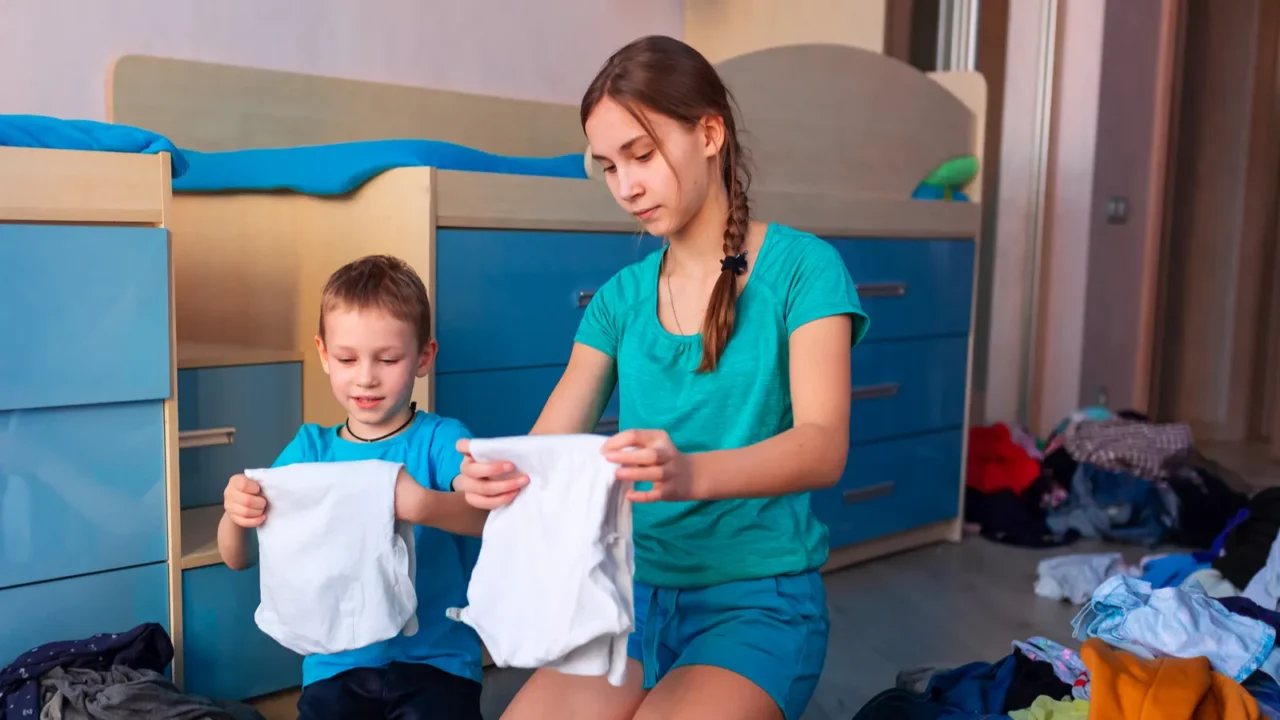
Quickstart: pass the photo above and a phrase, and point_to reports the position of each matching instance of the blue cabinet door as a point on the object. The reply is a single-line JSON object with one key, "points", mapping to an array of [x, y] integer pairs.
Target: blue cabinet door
{"points": [[912, 288], [893, 486], [226, 656], [81, 607], [514, 298], [264, 405], [499, 403], [904, 387], [85, 317], [82, 490]]}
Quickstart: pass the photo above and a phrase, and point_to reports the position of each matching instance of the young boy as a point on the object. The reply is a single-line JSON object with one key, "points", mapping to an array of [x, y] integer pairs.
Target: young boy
{"points": [[374, 340]]}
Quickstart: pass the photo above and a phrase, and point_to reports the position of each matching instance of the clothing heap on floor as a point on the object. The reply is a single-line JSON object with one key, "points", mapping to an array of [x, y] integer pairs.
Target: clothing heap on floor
{"points": [[1115, 477], [105, 677], [1180, 635], [1148, 653]]}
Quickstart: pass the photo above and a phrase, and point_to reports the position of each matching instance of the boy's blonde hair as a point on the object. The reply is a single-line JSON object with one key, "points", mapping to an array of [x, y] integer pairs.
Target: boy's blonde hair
{"points": [[383, 282]]}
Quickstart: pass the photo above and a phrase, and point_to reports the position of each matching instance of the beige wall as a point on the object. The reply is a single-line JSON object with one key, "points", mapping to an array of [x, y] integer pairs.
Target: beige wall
{"points": [[723, 29], [1134, 113]]}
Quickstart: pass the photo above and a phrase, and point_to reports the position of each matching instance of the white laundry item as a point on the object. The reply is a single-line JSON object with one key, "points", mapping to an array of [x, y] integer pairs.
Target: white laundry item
{"points": [[336, 567], [1075, 577], [1264, 587], [553, 584]]}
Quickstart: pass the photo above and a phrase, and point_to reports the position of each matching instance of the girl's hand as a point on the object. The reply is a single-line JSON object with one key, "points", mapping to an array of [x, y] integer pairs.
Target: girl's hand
{"points": [[486, 485], [650, 456]]}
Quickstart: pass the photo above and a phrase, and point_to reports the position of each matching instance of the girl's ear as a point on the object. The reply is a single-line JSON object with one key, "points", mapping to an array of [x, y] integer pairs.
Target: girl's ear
{"points": [[712, 129]]}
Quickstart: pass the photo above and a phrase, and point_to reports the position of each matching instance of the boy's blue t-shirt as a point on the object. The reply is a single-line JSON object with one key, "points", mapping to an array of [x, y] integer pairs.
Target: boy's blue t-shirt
{"points": [[444, 560]]}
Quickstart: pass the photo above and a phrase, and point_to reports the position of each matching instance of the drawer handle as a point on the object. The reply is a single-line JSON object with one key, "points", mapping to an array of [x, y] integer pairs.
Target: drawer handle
{"points": [[206, 438], [874, 392], [606, 426], [868, 493], [584, 297], [882, 290]]}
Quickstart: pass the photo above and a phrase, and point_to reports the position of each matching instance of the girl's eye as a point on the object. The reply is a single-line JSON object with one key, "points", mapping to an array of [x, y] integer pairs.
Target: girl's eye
{"points": [[645, 157], [611, 169]]}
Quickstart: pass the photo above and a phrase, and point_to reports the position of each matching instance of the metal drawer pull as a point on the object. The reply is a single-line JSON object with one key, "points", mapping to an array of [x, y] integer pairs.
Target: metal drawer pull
{"points": [[206, 438], [874, 392], [606, 426], [865, 494], [584, 297], [882, 290]]}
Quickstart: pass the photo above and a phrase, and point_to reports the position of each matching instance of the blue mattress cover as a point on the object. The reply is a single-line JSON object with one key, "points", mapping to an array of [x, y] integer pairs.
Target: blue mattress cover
{"points": [[342, 167], [40, 131], [332, 169]]}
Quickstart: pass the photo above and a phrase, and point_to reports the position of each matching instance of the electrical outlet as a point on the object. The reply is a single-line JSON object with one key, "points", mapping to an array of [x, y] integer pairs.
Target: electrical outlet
{"points": [[1117, 210]]}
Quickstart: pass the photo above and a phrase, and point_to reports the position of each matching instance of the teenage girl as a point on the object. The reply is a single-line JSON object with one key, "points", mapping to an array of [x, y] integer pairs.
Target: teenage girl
{"points": [[730, 348]]}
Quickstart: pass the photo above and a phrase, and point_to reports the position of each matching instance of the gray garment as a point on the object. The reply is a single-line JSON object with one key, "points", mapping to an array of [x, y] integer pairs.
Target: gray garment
{"points": [[124, 693], [916, 680]]}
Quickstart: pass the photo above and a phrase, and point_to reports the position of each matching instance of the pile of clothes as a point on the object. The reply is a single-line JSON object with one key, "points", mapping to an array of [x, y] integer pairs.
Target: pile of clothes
{"points": [[1148, 653], [106, 677], [1116, 477], [1242, 561]]}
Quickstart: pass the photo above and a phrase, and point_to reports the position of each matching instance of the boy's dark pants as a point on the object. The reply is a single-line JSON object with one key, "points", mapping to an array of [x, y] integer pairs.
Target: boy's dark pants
{"points": [[400, 691]]}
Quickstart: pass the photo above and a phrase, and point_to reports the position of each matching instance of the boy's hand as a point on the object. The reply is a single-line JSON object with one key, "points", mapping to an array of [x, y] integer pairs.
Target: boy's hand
{"points": [[244, 503], [487, 485]]}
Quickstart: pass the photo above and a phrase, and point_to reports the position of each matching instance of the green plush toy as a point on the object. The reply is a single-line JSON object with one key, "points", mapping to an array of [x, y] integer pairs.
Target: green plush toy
{"points": [[953, 175]]}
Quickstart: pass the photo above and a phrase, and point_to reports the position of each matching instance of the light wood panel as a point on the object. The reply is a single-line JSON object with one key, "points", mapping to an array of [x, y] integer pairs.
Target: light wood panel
{"points": [[250, 266], [845, 121], [40, 185], [806, 137], [208, 106], [482, 200]]}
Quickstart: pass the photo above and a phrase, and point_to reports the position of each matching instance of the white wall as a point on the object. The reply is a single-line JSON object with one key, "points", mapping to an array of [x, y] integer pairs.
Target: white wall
{"points": [[54, 54]]}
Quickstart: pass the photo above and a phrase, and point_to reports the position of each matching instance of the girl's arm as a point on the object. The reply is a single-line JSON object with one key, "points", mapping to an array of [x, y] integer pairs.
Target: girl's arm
{"points": [[574, 407], [578, 401], [809, 456]]}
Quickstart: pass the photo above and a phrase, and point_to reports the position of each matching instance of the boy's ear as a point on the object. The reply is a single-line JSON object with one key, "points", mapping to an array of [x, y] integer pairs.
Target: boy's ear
{"points": [[427, 358], [324, 354]]}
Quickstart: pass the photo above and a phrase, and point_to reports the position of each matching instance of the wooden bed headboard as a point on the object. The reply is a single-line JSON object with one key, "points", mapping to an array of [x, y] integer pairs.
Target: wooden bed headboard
{"points": [[828, 121], [209, 107]]}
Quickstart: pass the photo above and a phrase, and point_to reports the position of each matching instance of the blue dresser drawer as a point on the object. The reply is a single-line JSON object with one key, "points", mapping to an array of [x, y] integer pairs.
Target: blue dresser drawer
{"points": [[81, 607], [514, 298], [912, 288], [89, 310], [908, 386], [226, 656], [263, 403], [81, 491], [499, 403], [893, 486]]}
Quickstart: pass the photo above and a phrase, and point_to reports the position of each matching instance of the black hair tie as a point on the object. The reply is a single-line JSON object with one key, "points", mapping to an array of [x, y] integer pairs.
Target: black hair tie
{"points": [[736, 264]]}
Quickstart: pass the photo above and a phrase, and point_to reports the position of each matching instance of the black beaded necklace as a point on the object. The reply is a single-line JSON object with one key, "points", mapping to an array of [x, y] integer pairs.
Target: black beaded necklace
{"points": [[413, 412]]}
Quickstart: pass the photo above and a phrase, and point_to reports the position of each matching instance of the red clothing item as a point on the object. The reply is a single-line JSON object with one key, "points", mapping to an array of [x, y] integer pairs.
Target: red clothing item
{"points": [[997, 463]]}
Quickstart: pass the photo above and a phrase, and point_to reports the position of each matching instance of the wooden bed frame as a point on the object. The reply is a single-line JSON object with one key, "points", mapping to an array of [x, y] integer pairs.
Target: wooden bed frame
{"points": [[826, 161]]}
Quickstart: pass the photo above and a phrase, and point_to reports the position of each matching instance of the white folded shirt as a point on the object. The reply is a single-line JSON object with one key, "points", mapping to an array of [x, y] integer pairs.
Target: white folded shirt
{"points": [[336, 567], [553, 584]]}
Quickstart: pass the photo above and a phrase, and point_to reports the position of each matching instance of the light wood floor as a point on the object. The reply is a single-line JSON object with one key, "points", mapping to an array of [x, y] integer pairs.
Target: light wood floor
{"points": [[944, 605]]}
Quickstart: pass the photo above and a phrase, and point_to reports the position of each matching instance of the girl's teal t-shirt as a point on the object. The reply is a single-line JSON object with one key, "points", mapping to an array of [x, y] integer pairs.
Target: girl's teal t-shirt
{"points": [[797, 278]]}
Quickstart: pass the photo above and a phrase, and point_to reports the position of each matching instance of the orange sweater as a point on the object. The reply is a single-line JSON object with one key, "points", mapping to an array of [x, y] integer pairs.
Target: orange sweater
{"points": [[1125, 686]]}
